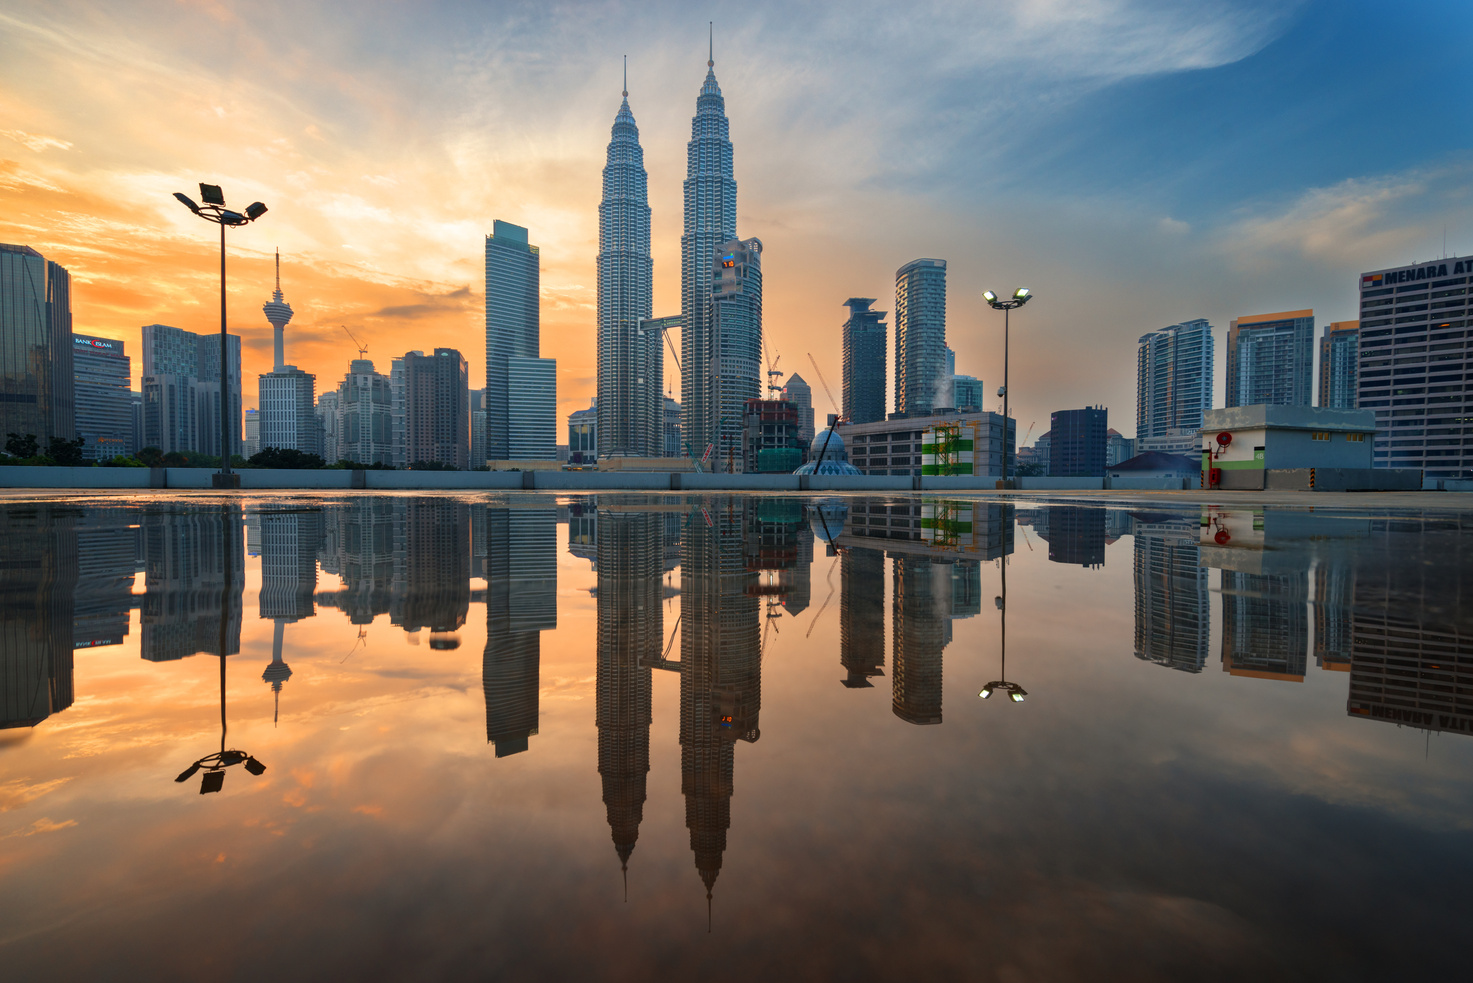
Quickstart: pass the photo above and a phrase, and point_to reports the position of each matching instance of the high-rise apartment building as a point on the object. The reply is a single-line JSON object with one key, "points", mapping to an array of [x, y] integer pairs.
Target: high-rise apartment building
{"points": [[920, 336], [1412, 321], [396, 409], [287, 400], [437, 408], [1270, 360], [674, 445], [36, 372], [864, 362], [1173, 386], [583, 434], [365, 427], [1339, 364], [513, 326], [967, 392], [734, 320], [710, 223], [104, 404], [252, 434], [329, 426], [1077, 443], [800, 394], [631, 360], [181, 390]]}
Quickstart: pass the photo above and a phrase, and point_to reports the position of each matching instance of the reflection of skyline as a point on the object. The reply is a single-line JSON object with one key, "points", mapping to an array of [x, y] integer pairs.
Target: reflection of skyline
{"points": [[720, 671], [521, 602], [1172, 616], [862, 615], [188, 585], [921, 627], [38, 586], [630, 632]]}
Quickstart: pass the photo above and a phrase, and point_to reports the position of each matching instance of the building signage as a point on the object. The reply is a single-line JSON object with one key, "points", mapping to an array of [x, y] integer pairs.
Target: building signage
{"points": [[1430, 271], [101, 344]]}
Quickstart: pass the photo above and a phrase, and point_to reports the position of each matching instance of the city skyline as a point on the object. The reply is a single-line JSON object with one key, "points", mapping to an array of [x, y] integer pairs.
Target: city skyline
{"points": [[1212, 240]]}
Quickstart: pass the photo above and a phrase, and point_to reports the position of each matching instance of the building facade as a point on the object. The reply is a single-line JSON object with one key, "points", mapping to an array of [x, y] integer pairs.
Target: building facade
{"points": [[770, 437], [437, 409], [583, 434], [967, 391], [864, 362], [329, 426], [104, 403], [1413, 318], [894, 447], [532, 416], [800, 394], [1270, 360], [287, 402], [734, 321], [631, 360], [365, 415], [1078, 442], [36, 372], [674, 438], [1339, 364], [710, 223], [513, 325], [186, 367], [920, 336], [1174, 368]]}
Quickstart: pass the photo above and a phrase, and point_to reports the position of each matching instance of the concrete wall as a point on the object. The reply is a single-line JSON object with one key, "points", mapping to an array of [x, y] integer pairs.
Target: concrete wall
{"points": [[1297, 449], [1065, 484], [1151, 482], [1344, 479], [25, 476]]}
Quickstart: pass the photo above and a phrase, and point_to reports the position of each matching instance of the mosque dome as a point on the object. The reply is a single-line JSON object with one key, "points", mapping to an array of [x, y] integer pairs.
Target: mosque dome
{"points": [[835, 457]]}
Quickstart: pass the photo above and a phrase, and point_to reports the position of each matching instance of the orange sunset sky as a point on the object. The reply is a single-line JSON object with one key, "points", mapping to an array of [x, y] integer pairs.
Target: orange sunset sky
{"points": [[1119, 158]]}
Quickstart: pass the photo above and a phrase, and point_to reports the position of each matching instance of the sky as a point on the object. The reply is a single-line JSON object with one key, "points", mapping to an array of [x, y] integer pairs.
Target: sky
{"points": [[1135, 163]]}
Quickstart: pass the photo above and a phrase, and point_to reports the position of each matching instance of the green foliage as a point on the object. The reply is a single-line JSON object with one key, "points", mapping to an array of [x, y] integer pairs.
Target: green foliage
{"points": [[189, 459], [432, 466], [22, 447], [288, 458], [123, 461], [1031, 469], [67, 453], [346, 464], [151, 457]]}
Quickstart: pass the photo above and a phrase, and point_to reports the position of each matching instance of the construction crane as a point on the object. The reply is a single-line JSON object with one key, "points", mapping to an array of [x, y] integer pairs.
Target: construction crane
{"points": [[362, 348], [774, 386], [1024, 442], [838, 419]]}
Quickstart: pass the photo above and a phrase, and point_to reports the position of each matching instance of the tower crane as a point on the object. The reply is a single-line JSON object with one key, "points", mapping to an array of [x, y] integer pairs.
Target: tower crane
{"points": [[838, 419], [362, 348], [774, 386]]}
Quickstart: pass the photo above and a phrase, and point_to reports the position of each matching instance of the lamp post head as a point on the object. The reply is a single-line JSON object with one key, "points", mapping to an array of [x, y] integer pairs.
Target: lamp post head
{"points": [[989, 296], [188, 202], [1022, 295], [211, 194], [255, 210]]}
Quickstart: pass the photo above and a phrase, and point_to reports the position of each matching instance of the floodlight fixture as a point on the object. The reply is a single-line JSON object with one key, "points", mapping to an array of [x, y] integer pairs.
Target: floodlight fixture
{"points": [[214, 210], [989, 296]]}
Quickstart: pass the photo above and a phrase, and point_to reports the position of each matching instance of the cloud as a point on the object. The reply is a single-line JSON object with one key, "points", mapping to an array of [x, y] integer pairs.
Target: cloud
{"points": [[16, 793], [35, 142], [432, 306]]}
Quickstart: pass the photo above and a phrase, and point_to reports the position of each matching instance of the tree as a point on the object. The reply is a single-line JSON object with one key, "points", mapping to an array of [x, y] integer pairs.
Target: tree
{"points": [[1030, 469], [67, 453], [286, 457], [432, 466], [18, 446], [152, 457]]}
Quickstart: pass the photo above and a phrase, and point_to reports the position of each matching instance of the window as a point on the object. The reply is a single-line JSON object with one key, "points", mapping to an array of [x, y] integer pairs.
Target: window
{"points": [[1320, 435], [1356, 438]]}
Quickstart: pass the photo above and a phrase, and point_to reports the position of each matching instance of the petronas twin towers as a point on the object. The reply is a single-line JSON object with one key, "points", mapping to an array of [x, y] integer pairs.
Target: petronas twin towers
{"points": [[721, 328]]}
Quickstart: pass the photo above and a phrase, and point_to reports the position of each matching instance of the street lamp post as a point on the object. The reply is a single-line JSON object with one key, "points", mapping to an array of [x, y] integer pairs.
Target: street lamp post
{"points": [[214, 210], [1014, 692], [1020, 297]]}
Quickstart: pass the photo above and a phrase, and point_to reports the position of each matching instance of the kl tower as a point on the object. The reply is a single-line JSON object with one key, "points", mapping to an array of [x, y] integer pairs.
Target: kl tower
{"points": [[279, 313]]}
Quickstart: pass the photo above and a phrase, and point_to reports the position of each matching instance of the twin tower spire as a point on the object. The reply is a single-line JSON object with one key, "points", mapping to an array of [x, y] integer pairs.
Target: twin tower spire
{"points": [[631, 343]]}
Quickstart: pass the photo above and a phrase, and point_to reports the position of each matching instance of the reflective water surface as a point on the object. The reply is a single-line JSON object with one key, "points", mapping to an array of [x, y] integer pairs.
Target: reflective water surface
{"points": [[626, 737]]}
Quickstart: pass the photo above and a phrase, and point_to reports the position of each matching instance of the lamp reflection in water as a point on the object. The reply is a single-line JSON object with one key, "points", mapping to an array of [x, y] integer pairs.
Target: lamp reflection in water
{"points": [[1014, 692], [215, 764]]}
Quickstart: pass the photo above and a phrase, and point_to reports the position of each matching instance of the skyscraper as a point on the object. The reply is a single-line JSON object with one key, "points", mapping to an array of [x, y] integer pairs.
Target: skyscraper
{"points": [[1077, 442], [630, 627], [800, 394], [1411, 318], [1173, 386], [864, 362], [36, 370], [103, 398], [1270, 359], [1340, 364], [437, 414], [1171, 595], [278, 312], [862, 615], [920, 630], [734, 320], [287, 400], [920, 335], [710, 221], [631, 360], [365, 415], [181, 390], [521, 602], [531, 416], [513, 326]]}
